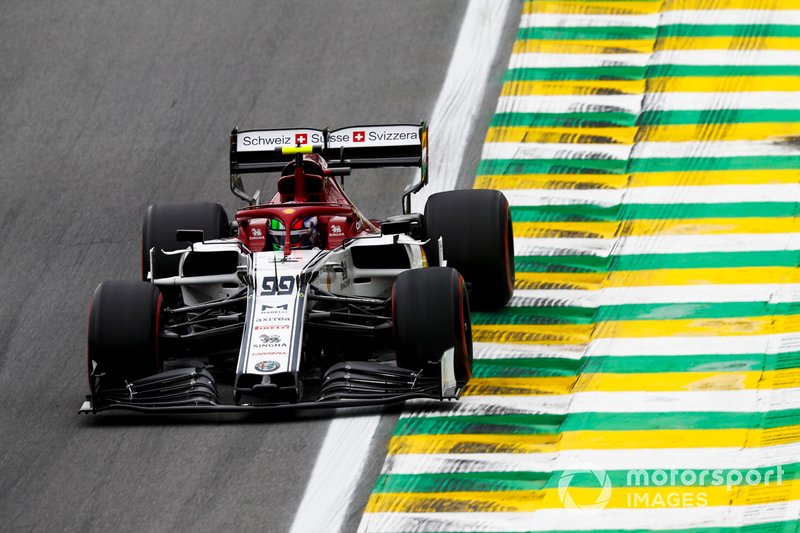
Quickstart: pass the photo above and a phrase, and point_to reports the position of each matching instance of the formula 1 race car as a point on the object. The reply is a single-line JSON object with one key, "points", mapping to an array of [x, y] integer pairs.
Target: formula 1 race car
{"points": [[302, 301]]}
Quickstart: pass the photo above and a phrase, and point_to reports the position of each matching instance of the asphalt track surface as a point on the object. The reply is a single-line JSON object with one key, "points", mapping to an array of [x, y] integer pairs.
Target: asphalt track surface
{"points": [[108, 107]]}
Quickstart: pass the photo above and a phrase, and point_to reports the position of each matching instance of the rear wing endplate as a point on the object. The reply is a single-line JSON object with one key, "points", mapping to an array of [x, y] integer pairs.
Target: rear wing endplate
{"points": [[369, 146]]}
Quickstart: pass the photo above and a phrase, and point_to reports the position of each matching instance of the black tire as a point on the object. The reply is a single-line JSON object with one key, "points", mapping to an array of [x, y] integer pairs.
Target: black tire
{"points": [[161, 221], [123, 330], [430, 313], [477, 240]]}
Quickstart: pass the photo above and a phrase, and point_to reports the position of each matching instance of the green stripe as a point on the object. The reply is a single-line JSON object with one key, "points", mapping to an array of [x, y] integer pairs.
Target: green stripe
{"points": [[728, 30], [721, 71], [588, 33], [564, 120], [664, 164], [575, 73], [646, 32], [544, 314], [508, 481], [718, 116], [603, 364], [550, 424], [583, 263], [653, 71]]}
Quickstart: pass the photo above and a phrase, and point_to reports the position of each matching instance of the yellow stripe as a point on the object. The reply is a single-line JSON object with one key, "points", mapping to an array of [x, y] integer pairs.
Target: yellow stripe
{"points": [[573, 87], [643, 278], [651, 85], [562, 135], [577, 334], [712, 5], [648, 382], [645, 179], [623, 497], [586, 439], [750, 42], [583, 46], [760, 131], [724, 84], [643, 228], [592, 8]]}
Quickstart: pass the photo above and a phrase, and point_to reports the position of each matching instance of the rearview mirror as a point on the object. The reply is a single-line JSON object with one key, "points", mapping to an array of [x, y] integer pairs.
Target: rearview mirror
{"points": [[189, 235]]}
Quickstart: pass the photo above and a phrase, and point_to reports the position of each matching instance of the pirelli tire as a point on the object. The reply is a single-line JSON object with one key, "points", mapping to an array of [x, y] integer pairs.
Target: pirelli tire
{"points": [[477, 240], [161, 221], [430, 314], [124, 318]]}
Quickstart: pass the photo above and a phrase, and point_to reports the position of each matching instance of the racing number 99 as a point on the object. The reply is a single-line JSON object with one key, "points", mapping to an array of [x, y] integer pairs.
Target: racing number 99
{"points": [[272, 286]]}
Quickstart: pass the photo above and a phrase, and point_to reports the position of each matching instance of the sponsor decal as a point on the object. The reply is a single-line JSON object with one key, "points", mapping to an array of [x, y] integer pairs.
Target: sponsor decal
{"points": [[300, 138], [392, 135], [273, 319], [289, 211], [336, 230], [267, 366], [269, 345], [359, 136], [269, 339], [274, 308], [272, 327], [256, 233]]}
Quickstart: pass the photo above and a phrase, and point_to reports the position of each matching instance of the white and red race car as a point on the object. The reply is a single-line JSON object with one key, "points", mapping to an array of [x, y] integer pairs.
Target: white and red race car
{"points": [[302, 301]]}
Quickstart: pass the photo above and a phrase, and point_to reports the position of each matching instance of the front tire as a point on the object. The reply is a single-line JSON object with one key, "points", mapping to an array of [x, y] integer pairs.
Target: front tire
{"points": [[161, 221], [477, 240], [430, 314], [123, 330]]}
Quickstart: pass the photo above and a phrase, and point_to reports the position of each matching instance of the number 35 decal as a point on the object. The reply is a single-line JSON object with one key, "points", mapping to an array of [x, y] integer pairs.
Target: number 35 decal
{"points": [[272, 286]]}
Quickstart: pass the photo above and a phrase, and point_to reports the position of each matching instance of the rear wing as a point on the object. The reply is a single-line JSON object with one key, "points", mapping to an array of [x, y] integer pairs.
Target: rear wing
{"points": [[373, 146]]}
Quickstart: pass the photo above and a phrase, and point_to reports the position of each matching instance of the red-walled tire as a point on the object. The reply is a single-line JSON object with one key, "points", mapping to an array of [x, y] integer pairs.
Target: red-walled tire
{"points": [[430, 313], [123, 330], [161, 221], [477, 240]]}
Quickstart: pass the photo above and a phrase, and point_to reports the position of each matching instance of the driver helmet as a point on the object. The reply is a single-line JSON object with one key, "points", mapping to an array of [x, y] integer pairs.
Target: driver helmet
{"points": [[303, 235]]}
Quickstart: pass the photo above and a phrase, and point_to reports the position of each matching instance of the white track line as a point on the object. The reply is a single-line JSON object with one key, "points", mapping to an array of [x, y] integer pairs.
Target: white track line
{"points": [[348, 442], [462, 94]]}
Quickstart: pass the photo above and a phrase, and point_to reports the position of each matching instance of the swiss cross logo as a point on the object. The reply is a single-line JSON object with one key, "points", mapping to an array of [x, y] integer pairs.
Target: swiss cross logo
{"points": [[359, 136], [300, 138]]}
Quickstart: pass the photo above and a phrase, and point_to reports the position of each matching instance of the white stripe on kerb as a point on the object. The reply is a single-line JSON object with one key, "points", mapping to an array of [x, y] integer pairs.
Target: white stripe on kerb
{"points": [[735, 401], [733, 457], [775, 343], [574, 520], [689, 194], [665, 294], [662, 244]]}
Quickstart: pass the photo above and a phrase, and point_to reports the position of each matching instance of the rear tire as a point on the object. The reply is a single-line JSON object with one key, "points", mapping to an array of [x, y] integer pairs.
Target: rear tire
{"points": [[161, 221], [477, 240], [123, 330], [430, 314]]}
